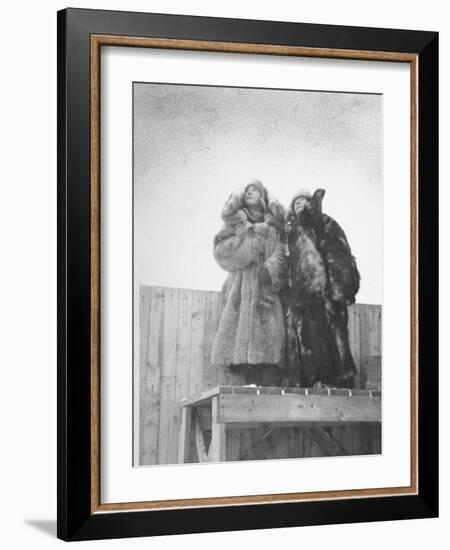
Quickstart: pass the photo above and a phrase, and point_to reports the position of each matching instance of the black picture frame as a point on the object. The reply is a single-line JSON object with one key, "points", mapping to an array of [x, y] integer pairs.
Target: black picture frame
{"points": [[76, 519]]}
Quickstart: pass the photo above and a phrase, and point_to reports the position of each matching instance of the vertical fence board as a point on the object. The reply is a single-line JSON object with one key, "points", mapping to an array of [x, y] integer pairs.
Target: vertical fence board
{"points": [[363, 329], [356, 450], [210, 374], [144, 320], [247, 443], [363, 340], [168, 373], [354, 339], [376, 438], [293, 443], [152, 383], [306, 445], [153, 358], [197, 341], [299, 442], [281, 439], [182, 369], [374, 324], [348, 439], [233, 445]]}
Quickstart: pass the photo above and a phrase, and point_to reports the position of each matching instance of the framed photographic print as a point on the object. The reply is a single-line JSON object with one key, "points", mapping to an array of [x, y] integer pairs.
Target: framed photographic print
{"points": [[247, 270]]}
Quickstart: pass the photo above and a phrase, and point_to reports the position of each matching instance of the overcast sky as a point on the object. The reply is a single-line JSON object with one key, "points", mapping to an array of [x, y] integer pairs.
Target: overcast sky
{"points": [[193, 145]]}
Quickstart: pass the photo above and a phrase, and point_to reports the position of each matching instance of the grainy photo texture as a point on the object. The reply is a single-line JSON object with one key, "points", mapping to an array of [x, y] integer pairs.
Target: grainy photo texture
{"points": [[257, 224]]}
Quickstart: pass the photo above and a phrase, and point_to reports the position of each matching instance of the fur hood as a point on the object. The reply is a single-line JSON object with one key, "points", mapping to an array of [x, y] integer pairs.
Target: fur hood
{"points": [[233, 211], [315, 202]]}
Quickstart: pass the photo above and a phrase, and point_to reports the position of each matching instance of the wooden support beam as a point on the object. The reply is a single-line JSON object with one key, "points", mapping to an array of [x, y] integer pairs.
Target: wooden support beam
{"points": [[325, 409], [185, 435], [205, 424], [200, 444], [329, 445], [217, 448], [260, 444]]}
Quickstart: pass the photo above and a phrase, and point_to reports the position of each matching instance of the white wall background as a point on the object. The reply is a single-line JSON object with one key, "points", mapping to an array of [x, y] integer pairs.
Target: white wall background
{"points": [[28, 274]]}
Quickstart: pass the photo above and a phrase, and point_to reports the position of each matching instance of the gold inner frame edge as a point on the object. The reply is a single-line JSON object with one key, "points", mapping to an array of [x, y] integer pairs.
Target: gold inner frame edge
{"points": [[264, 49]]}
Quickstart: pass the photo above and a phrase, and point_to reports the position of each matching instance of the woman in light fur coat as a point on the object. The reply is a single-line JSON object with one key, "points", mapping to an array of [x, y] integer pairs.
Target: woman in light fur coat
{"points": [[251, 248]]}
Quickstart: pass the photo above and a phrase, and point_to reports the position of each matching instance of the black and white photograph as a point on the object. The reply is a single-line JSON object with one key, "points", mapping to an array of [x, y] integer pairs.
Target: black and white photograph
{"points": [[224, 290], [257, 273]]}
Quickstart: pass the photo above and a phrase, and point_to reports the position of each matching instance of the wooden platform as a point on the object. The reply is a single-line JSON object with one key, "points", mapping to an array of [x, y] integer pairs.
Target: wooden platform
{"points": [[228, 407], [177, 328]]}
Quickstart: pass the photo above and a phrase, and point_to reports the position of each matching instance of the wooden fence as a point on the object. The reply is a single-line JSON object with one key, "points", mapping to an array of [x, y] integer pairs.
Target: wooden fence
{"points": [[177, 329]]}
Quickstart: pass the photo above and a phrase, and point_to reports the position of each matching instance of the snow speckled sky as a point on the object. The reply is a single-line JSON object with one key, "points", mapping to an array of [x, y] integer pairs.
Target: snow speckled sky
{"points": [[193, 145]]}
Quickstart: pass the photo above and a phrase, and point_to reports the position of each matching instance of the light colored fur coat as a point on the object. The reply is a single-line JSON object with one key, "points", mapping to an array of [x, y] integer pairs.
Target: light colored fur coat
{"points": [[252, 328]]}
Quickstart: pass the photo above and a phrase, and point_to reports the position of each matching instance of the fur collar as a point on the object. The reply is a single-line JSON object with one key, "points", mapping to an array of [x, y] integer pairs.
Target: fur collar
{"points": [[233, 211]]}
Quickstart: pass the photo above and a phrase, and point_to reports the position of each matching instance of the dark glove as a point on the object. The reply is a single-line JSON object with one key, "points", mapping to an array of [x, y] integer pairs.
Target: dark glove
{"points": [[264, 276]]}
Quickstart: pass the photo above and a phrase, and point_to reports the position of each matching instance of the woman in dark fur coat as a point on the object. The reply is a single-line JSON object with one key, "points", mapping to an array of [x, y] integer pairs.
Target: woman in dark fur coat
{"points": [[324, 280], [250, 247]]}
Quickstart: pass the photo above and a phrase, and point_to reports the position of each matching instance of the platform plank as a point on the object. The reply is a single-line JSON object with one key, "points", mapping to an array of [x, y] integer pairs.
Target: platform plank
{"points": [[205, 397], [298, 408]]}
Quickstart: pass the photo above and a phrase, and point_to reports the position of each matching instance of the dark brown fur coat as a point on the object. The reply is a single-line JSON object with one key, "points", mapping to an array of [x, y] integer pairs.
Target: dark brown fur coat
{"points": [[324, 280]]}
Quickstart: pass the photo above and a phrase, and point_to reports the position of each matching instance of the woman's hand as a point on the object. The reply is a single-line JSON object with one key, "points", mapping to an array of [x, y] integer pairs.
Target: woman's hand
{"points": [[261, 229]]}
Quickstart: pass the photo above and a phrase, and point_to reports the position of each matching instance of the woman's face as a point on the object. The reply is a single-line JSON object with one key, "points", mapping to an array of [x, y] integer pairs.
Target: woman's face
{"points": [[300, 204], [252, 196]]}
